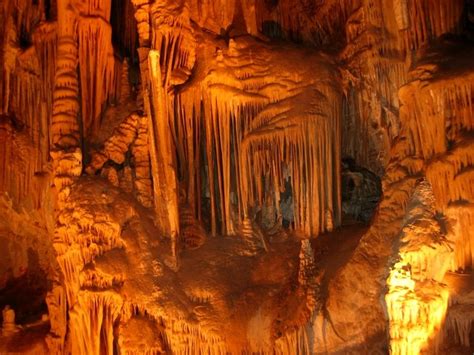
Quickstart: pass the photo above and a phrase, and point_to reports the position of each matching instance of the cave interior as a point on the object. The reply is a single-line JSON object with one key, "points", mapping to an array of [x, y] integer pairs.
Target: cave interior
{"points": [[236, 177]]}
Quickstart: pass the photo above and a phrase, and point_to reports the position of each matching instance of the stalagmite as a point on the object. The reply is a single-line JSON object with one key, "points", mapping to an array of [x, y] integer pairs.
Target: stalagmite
{"points": [[8, 326], [416, 300], [165, 181]]}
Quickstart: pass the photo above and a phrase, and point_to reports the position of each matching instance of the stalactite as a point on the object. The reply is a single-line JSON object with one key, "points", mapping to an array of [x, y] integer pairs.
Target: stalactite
{"points": [[294, 342], [26, 102], [287, 150], [307, 20], [20, 161], [9, 52], [94, 8], [459, 323], [45, 42], [96, 66], [462, 235], [401, 14], [429, 19], [225, 98], [92, 322]]}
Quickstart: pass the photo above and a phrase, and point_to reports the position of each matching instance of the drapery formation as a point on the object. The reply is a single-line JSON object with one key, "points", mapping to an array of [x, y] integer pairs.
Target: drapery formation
{"points": [[240, 127], [258, 122]]}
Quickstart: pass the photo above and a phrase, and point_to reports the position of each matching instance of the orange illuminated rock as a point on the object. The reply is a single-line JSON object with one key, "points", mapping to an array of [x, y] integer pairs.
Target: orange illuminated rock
{"points": [[236, 176]]}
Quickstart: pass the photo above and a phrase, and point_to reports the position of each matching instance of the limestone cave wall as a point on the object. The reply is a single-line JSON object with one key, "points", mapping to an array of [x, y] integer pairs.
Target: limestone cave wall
{"points": [[236, 176]]}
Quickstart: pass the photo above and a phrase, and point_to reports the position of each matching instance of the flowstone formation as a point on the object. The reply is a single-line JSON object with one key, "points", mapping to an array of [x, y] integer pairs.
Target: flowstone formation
{"points": [[236, 176]]}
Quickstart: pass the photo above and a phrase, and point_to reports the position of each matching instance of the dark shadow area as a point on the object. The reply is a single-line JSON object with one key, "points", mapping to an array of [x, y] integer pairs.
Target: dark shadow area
{"points": [[272, 30], [124, 30], [361, 192], [26, 294]]}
